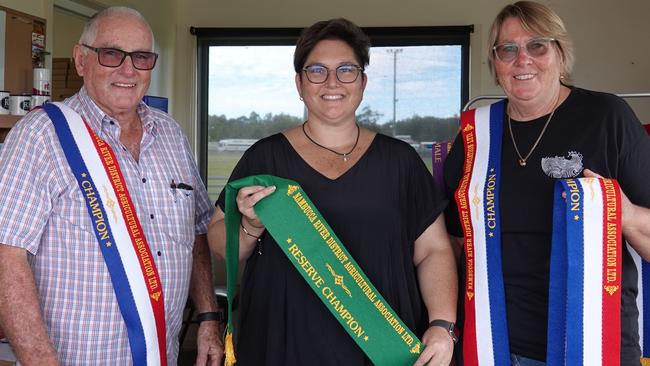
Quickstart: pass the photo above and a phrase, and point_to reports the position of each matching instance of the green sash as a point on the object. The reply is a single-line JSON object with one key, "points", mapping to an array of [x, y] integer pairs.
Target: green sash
{"points": [[324, 263]]}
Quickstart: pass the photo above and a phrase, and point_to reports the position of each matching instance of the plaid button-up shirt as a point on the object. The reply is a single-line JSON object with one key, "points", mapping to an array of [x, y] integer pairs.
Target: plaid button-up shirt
{"points": [[42, 210]]}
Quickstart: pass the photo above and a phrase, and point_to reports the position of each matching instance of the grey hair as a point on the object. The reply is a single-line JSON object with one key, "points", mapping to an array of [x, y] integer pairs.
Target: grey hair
{"points": [[89, 33]]}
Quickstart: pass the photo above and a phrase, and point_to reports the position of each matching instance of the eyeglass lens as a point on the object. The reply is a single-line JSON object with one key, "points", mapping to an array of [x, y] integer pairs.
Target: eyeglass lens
{"points": [[111, 57], [318, 74], [535, 48]]}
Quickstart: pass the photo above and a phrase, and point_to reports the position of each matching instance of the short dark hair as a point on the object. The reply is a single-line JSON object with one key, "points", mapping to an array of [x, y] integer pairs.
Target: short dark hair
{"points": [[333, 29]]}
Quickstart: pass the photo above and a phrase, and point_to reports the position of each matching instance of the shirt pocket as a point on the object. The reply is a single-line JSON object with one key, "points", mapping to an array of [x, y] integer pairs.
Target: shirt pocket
{"points": [[179, 208]]}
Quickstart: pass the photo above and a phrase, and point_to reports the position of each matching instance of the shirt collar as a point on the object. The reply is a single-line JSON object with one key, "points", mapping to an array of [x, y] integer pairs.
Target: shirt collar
{"points": [[99, 120]]}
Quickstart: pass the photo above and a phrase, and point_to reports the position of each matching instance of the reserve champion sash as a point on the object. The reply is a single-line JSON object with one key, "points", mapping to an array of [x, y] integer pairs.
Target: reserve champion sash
{"points": [[321, 259], [485, 331], [584, 323], [485, 340], [133, 272]]}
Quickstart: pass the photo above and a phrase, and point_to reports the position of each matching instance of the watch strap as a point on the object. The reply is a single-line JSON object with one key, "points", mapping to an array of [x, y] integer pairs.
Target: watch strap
{"points": [[450, 327], [209, 316]]}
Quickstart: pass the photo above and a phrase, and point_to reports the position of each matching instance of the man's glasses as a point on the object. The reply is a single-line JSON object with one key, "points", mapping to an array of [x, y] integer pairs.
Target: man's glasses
{"points": [[346, 74], [113, 57], [536, 47]]}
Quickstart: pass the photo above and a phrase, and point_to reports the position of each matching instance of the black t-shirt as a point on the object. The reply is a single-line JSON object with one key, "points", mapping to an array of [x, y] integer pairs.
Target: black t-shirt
{"points": [[378, 209], [590, 130]]}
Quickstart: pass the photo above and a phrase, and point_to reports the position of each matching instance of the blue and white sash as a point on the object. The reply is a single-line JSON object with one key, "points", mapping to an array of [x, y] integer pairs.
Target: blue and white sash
{"points": [[643, 269], [485, 331], [585, 275], [133, 273]]}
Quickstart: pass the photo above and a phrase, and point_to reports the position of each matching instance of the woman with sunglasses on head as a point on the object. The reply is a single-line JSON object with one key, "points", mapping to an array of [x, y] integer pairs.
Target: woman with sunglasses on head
{"points": [[549, 130], [379, 199]]}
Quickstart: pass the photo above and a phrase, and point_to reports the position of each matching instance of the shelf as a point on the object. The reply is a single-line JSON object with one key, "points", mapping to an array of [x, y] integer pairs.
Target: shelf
{"points": [[8, 121]]}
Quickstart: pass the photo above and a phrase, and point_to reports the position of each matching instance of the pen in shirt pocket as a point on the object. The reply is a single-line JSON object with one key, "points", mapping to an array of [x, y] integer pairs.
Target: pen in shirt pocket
{"points": [[182, 186]]}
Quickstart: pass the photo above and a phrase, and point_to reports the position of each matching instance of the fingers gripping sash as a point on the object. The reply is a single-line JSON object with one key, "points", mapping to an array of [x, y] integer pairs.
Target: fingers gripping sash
{"points": [[585, 284], [321, 259], [131, 267], [485, 332]]}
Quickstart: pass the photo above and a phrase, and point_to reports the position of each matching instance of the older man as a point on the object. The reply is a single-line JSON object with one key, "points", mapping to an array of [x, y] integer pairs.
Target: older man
{"points": [[103, 217]]}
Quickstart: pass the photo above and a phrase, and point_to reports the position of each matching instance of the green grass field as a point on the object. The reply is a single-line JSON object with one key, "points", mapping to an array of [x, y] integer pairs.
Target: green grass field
{"points": [[219, 167]]}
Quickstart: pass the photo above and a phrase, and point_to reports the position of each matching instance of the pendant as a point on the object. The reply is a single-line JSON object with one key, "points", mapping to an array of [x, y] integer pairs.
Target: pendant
{"points": [[345, 157], [522, 162]]}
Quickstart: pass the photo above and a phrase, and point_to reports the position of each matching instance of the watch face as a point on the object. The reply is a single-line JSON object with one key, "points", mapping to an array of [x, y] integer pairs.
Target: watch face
{"points": [[453, 336]]}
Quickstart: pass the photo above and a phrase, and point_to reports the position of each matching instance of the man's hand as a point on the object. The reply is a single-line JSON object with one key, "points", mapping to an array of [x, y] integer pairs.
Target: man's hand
{"points": [[209, 344]]}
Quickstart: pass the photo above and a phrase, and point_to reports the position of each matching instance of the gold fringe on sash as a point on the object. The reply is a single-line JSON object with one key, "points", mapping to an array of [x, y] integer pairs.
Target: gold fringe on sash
{"points": [[229, 350]]}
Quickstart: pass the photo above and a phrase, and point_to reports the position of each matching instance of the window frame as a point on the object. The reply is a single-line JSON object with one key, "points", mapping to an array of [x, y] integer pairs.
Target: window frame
{"points": [[379, 37]]}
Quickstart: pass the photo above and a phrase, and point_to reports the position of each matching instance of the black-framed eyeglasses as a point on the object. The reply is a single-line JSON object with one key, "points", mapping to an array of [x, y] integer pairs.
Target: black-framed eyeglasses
{"points": [[536, 47], [346, 74], [113, 57]]}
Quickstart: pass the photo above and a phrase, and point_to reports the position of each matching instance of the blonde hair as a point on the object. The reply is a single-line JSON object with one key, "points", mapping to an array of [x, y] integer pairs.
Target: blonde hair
{"points": [[540, 20]]}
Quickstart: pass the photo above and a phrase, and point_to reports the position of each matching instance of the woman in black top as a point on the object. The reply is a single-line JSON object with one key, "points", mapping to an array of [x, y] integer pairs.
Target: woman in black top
{"points": [[376, 194], [554, 131]]}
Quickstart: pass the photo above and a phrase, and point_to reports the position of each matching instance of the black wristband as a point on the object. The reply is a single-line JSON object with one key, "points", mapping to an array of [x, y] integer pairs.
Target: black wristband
{"points": [[450, 327], [209, 316]]}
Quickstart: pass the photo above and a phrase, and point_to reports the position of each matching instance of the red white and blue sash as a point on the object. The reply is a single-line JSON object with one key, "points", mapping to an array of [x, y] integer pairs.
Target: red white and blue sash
{"points": [[131, 266], [485, 331], [585, 276], [643, 269], [485, 339]]}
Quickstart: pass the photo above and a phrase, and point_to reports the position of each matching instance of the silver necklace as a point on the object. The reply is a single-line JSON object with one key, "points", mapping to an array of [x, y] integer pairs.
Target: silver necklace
{"points": [[346, 155], [522, 159]]}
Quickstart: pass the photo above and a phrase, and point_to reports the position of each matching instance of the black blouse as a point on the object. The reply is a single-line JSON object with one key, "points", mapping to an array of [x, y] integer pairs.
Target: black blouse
{"points": [[378, 209]]}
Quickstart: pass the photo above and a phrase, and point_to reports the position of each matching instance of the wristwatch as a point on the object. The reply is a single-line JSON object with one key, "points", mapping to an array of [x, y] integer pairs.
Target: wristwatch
{"points": [[209, 316], [449, 327]]}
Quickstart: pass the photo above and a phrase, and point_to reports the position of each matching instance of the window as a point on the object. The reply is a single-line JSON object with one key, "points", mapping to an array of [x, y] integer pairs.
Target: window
{"points": [[417, 84]]}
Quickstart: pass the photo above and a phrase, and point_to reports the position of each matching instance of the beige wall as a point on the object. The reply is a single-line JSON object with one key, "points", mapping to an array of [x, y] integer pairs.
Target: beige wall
{"points": [[36, 8], [613, 53], [67, 29]]}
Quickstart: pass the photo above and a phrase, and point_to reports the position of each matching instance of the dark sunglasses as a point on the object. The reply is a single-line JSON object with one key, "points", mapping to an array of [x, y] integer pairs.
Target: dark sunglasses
{"points": [[113, 57]]}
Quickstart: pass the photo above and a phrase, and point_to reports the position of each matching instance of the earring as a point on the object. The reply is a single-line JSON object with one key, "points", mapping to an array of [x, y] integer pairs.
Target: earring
{"points": [[561, 77], [301, 99]]}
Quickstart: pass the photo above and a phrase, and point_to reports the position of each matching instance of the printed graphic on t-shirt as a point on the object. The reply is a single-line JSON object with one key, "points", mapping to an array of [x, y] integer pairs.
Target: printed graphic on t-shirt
{"points": [[561, 167]]}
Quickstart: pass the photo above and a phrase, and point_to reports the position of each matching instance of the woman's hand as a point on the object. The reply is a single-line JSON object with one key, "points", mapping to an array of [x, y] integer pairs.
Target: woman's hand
{"points": [[627, 207], [246, 199], [634, 222], [438, 348]]}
